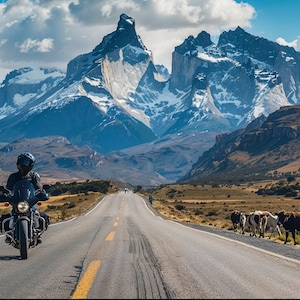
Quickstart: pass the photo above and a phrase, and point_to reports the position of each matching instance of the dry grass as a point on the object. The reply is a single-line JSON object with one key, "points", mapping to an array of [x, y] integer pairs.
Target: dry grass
{"points": [[65, 207], [68, 206]]}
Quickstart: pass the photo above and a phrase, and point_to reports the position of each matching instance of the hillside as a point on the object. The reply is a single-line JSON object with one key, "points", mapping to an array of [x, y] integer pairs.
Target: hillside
{"points": [[267, 148], [160, 162]]}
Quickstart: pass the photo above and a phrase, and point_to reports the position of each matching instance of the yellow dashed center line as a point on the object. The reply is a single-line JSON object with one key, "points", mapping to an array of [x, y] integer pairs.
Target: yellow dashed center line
{"points": [[87, 280], [110, 236], [84, 285]]}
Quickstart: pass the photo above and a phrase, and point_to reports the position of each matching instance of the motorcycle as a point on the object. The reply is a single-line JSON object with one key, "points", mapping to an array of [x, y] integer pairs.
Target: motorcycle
{"points": [[25, 225]]}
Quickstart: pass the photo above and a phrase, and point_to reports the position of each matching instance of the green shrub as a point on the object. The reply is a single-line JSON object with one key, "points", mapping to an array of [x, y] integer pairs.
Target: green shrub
{"points": [[180, 207]]}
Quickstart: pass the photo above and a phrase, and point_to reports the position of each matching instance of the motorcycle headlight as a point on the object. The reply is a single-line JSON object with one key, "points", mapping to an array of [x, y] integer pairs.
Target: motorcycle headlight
{"points": [[23, 207]]}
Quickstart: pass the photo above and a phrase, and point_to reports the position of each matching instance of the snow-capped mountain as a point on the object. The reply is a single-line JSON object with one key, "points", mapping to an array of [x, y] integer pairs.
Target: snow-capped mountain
{"points": [[22, 88], [236, 81], [114, 97]]}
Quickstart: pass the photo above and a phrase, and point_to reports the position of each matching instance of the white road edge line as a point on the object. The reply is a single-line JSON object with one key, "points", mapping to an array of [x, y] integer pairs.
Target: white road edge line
{"points": [[241, 243]]}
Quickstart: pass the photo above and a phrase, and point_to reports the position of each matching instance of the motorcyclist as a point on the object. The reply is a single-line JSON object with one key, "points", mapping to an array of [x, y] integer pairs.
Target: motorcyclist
{"points": [[25, 163], [151, 199]]}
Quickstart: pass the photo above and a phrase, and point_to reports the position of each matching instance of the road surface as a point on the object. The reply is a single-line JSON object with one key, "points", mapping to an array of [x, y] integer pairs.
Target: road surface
{"points": [[121, 250]]}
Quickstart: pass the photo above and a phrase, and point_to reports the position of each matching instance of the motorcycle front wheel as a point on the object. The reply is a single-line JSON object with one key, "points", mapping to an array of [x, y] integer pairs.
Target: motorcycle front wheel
{"points": [[23, 238]]}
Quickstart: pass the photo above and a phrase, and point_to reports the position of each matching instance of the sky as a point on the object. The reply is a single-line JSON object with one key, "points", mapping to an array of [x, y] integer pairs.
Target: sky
{"points": [[50, 33]]}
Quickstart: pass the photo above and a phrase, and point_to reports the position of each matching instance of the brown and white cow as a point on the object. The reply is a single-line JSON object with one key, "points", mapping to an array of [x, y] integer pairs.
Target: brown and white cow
{"points": [[290, 222]]}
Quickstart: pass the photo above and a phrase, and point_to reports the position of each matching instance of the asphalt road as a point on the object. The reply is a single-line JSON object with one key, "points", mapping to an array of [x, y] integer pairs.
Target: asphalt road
{"points": [[122, 250]]}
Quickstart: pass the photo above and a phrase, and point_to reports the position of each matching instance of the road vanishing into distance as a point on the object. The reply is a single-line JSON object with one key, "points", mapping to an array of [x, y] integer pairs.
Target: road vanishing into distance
{"points": [[122, 250]]}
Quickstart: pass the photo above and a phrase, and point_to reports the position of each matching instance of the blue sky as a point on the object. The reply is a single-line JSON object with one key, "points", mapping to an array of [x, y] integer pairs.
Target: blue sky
{"points": [[276, 18], [49, 33]]}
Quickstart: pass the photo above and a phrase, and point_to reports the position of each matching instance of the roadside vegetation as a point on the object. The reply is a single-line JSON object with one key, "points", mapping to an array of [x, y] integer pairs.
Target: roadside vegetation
{"points": [[68, 200]]}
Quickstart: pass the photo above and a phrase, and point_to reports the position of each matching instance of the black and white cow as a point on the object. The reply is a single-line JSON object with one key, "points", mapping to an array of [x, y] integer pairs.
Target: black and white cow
{"points": [[237, 220]]}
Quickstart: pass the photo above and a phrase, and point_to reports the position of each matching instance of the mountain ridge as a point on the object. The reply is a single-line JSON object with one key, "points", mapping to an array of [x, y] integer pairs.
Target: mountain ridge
{"points": [[265, 149], [115, 98], [220, 86]]}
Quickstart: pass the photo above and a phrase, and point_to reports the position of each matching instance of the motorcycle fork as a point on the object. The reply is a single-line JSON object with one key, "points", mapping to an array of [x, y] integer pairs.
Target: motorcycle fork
{"points": [[17, 227]]}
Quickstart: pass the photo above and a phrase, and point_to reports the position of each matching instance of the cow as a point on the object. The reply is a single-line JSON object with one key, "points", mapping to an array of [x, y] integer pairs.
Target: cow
{"points": [[256, 222], [237, 220], [290, 221], [243, 220], [263, 221], [273, 223], [249, 223]]}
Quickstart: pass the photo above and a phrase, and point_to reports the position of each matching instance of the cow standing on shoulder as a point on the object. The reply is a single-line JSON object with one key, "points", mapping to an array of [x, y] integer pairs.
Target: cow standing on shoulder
{"points": [[237, 220], [256, 222], [263, 221], [251, 223], [273, 223], [290, 221]]}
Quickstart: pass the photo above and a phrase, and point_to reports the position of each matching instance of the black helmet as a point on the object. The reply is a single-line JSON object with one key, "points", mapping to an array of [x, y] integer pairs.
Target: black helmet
{"points": [[25, 162]]}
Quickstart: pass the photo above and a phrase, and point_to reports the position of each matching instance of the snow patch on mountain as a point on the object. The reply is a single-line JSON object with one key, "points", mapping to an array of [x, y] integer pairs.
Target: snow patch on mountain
{"points": [[6, 110], [269, 101], [32, 76], [22, 87], [20, 100]]}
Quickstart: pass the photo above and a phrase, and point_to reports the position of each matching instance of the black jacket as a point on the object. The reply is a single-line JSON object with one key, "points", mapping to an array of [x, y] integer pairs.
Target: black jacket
{"points": [[32, 176]]}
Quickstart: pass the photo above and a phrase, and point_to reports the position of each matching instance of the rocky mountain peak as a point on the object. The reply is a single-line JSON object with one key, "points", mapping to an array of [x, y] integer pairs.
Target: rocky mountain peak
{"points": [[124, 37], [128, 24], [248, 45], [191, 44], [203, 39], [125, 34]]}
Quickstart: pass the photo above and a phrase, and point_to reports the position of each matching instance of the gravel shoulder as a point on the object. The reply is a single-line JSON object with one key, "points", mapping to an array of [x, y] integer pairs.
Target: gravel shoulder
{"points": [[289, 250]]}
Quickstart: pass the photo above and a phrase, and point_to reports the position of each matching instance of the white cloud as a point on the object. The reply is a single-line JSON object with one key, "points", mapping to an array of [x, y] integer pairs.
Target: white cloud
{"points": [[46, 45], [45, 33], [295, 43]]}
